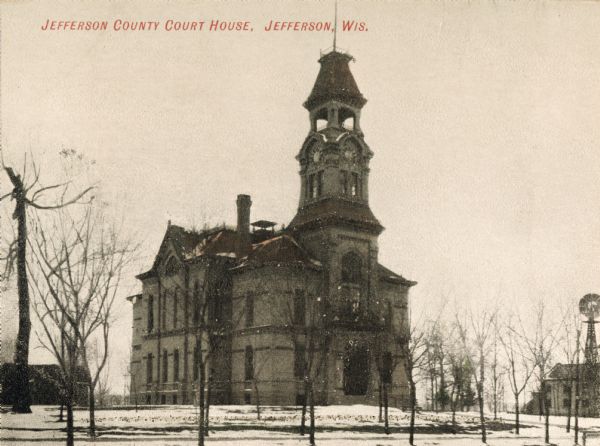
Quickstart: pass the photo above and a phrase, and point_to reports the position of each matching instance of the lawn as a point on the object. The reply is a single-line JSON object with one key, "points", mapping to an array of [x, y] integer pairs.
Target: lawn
{"points": [[238, 425]]}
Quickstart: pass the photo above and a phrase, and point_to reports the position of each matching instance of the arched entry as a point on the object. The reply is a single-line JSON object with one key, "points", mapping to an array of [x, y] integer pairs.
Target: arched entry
{"points": [[356, 369]]}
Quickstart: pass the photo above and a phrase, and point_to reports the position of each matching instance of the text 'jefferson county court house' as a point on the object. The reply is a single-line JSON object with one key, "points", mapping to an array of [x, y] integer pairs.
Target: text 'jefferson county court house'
{"points": [[269, 310]]}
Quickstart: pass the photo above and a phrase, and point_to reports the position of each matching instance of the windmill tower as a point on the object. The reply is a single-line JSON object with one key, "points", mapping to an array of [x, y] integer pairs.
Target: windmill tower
{"points": [[589, 307]]}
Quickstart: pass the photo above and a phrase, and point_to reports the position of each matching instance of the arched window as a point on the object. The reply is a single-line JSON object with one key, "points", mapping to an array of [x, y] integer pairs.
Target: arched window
{"points": [[356, 369], [351, 268], [172, 266], [175, 307]]}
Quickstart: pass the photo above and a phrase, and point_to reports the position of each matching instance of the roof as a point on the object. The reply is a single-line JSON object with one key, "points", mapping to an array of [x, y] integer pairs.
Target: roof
{"points": [[335, 82], [281, 250], [190, 244], [389, 276], [263, 224], [567, 371], [333, 210]]}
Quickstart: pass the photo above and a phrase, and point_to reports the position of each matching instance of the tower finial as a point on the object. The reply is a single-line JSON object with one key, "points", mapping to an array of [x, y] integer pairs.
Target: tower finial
{"points": [[335, 27]]}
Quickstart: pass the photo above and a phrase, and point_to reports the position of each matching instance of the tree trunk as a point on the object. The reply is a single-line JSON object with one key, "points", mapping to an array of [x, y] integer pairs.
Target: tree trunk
{"points": [[21, 383], [481, 415], [380, 402], [413, 409], [312, 415], [304, 403], [569, 408], [70, 440], [257, 399], [543, 399], [547, 426], [208, 395], [517, 413], [92, 404], [201, 404], [60, 414], [385, 408]]}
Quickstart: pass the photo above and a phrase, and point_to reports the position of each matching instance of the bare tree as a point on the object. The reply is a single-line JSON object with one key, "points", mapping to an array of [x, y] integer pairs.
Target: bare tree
{"points": [[411, 342], [474, 332], [519, 364], [303, 317], [28, 192], [540, 345], [78, 265], [569, 343]]}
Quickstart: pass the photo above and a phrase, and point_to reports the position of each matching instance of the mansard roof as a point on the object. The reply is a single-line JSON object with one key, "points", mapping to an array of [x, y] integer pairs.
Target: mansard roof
{"points": [[336, 210], [335, 82], [280, 250]]}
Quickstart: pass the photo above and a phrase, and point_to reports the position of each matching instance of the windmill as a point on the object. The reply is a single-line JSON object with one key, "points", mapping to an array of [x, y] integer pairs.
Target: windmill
{"points": [[589, 307]]}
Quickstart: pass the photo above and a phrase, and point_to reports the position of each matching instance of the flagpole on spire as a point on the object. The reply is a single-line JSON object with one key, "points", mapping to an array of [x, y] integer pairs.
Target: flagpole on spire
{"points": [[335, 27]]}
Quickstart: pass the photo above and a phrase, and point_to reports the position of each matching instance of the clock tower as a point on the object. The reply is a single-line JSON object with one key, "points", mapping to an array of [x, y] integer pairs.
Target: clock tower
{"points": [[334, 159]]}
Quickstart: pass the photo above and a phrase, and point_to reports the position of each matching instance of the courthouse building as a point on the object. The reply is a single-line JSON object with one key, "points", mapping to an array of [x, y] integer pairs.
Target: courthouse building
{"points": [[269, 309]]}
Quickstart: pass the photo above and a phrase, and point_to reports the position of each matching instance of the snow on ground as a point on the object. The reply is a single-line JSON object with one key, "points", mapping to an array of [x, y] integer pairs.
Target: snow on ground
{"points": [[238, 425]]}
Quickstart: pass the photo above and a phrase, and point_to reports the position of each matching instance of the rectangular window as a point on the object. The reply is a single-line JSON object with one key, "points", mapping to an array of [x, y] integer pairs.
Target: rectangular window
{"points": [[299, 308], [299, 360], [249, 364], [312, 191], [249, 310], [149, 368], [176, 365], [165, 365]]}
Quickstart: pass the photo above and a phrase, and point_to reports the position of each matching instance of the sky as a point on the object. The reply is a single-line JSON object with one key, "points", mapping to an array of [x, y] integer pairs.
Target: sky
{"points": [[483, 118]]}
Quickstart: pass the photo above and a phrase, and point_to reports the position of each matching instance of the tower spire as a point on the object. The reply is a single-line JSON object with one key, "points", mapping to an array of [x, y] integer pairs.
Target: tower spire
{"points": [[335, 27]]}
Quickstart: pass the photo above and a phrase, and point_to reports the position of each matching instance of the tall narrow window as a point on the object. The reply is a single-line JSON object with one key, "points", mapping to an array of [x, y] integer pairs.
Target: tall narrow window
{"points": [[299, 360], [299, 308], [163, 312], [149, 368], [312, 186], [175, 305], [355, 188], [388, 367], [165, 365], [176, 365], [344, 181], [150, 313], [351, 268], [196, 316], [249, 364], [196, 362], [249, 310], [319, 183]]}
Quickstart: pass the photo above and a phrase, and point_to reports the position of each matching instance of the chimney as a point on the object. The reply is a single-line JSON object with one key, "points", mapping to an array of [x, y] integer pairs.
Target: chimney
{"points": [[244, 242]]}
